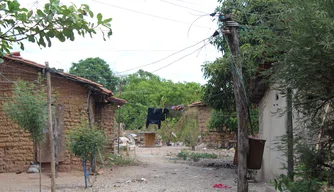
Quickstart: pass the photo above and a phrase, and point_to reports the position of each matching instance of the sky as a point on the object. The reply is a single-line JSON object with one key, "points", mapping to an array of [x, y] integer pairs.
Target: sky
{"points": [[144, 31]]}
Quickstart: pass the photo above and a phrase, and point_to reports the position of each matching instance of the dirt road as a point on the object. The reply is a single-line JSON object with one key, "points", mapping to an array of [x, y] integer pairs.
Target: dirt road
{"points": [[157, 171]]}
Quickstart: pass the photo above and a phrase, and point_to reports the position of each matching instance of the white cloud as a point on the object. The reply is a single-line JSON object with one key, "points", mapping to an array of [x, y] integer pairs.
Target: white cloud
{"points": [[135, 31]]}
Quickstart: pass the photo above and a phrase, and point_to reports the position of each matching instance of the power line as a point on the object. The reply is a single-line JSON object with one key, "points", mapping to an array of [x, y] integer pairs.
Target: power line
{"points": [[164, 57], [186, 2], [179, 59], [148, 14], [182, 6]]}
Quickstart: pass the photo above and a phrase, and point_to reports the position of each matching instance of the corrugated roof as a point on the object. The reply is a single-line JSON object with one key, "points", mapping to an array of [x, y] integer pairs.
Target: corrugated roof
{"points": [[16, 56]]}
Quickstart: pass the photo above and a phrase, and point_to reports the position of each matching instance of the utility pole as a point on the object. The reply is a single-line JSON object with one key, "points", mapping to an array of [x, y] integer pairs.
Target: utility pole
{"points": [[52, 149], [231, 34]]}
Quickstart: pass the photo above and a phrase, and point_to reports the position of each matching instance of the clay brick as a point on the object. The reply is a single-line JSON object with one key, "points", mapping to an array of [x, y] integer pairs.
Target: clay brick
{"points": [[15, 151]]}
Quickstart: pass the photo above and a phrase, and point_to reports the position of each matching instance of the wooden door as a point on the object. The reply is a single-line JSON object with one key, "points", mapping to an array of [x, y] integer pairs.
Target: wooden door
{"points": [[58, 127]]}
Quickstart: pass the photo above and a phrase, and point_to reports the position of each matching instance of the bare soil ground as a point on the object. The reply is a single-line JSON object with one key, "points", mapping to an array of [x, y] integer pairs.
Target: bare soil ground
{"points": [[158, 170]]}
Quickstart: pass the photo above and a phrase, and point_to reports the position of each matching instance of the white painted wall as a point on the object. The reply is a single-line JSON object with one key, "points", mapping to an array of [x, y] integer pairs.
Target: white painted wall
{"points": [[271, 125]]}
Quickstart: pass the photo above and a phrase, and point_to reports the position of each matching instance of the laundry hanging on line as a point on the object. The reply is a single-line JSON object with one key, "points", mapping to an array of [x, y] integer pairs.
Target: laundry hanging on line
{"points": [[155, 116]]}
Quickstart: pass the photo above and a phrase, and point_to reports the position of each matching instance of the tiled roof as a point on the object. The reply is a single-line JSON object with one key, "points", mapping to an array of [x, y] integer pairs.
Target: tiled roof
{"points": [[16, 56]]}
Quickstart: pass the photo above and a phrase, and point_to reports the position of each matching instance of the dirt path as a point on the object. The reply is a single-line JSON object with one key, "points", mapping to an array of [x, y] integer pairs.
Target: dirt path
{"points": [[160, 172]]}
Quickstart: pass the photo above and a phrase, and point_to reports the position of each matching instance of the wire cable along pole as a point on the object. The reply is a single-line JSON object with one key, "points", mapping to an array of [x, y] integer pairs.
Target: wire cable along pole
{"points": [[231, 34]]}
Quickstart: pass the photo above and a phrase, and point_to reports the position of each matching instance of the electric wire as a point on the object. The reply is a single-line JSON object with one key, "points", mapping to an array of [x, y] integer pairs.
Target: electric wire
{"points": [[165, 57], [148, 14], [179, 59], [185, 7]]}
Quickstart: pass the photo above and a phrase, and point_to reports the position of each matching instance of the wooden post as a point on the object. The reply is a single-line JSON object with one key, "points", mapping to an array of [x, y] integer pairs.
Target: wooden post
{"points": [[90, 110], [91, 123], [119, 117], [240, 100], [52, 149], [289, 133], [127, 149]]}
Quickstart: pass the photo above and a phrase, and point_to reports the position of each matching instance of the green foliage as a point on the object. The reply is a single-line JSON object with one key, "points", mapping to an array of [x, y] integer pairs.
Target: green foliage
{"points": [[195, 156], [143, 90], [220, 119], [188, 129], [183, 155], [198, 156], [166, 130], [27, 108], [218, 92], [294, 38], [53, 21], [120, 160], [97, 70], [85, 142], [283, 183]]}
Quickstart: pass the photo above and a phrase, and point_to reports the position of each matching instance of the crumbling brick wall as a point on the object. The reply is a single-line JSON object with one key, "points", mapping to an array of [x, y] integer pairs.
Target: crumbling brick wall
{"points": [[211, 138], [16, 150]]}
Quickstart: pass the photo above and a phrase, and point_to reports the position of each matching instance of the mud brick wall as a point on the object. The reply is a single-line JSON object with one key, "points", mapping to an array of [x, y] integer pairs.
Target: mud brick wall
{"points": [[211, 138], [16, 150], [104, 118], [207, 137]]}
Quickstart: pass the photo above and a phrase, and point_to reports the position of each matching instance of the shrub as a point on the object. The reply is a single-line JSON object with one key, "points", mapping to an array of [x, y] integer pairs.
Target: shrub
{"points": [[120, 160], [183, 155], [85, 142]]}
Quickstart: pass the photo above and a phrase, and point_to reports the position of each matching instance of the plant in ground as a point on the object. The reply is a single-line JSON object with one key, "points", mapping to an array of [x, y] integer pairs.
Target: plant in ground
{"points": [[183, 155], [120, 160], [198, 156], [27, 108], [84, 143], [188, 129]]}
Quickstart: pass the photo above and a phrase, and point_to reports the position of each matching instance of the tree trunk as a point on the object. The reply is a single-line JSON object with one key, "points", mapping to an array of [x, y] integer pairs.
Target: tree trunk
{"points": [[193, 147]]}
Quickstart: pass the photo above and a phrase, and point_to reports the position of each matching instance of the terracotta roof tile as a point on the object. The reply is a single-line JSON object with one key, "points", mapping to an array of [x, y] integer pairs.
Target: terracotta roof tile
{"points": [[16, 56]]}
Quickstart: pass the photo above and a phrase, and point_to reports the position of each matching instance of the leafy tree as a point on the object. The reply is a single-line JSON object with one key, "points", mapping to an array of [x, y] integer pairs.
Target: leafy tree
{"points": [[27, 108], [41, 25], [84, 143], [143, 90], [293, 36], [307, 67], [97, 70]]}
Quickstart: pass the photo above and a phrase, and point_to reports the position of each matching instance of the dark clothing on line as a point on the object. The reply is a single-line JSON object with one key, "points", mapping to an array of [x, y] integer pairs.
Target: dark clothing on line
{"points": [[155, 116]]}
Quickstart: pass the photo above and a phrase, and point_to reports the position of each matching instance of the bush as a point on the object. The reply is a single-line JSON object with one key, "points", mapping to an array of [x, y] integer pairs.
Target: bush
{"points": [[120, 160], [85, 142], [283, 183], [196, 156], [183, 155]]}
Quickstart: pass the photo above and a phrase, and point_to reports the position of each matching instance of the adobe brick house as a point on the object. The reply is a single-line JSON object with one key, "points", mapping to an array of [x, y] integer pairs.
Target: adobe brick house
{"points": [[72, 98], [211, 138]]}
